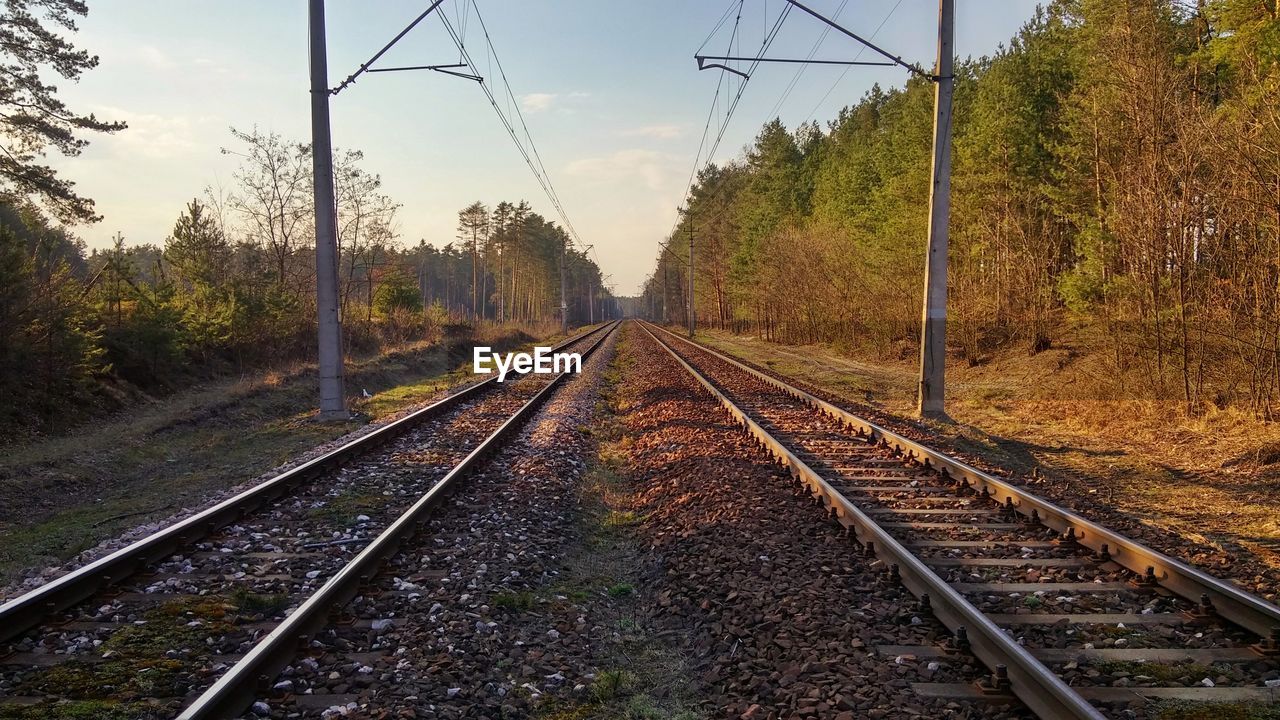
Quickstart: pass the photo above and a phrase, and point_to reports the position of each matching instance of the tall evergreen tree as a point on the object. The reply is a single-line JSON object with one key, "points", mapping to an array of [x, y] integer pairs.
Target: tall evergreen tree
{"points": [[34, 120]]}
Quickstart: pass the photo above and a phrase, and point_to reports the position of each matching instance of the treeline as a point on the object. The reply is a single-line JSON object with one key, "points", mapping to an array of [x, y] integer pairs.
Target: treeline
{"points": [[507, 266], [1116, 184], [232, 287]]}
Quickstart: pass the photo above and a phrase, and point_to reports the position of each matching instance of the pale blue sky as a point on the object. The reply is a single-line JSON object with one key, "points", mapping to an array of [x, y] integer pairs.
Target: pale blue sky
{"points": [[612, 97]]}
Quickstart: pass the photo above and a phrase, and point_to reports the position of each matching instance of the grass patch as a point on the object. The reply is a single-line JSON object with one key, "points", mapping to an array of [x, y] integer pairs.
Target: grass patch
{"points": [[389, 402], [622, 518], [523, 600], [560, 710], [611, 684], [645, 679], [643, 707]]}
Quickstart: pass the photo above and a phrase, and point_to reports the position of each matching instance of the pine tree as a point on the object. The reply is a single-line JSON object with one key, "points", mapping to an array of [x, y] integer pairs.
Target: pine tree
{"points": [[34, 120]]}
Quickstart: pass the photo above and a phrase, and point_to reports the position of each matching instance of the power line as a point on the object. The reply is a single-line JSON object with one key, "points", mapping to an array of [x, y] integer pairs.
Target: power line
{"points": [[773, 34], [830, 90], [515, 104], [713, 111], [530, 154], [800, 72], [715, 101], [732, 106], [462, 13], [503, 74], [824, 97], [728, 11]]}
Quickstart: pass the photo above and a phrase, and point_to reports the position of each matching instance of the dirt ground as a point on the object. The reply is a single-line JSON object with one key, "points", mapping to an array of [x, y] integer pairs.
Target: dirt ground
{"points": [[1213, 479]]}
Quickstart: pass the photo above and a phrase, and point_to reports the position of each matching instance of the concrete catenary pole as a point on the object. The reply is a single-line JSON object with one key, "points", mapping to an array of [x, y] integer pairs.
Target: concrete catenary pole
{"points": [[933, 340], [333, 402]]}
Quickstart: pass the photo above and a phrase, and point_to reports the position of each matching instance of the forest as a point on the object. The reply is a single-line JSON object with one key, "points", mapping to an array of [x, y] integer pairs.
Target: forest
{"points": [[1116, 189], [231, 289]]}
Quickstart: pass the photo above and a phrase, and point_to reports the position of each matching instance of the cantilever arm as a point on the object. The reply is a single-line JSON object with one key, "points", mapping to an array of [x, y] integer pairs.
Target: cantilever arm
{"points": [[437, 68], [704, 65]]}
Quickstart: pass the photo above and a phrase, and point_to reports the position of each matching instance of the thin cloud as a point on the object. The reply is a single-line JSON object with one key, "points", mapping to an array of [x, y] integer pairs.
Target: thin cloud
{"points": [[660, 132], [541, 102], [159, 137], [651, 169], [152, 57], [537, 102]]}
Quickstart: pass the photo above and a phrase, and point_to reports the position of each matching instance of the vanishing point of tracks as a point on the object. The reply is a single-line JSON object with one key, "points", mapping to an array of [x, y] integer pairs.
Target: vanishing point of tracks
{"points": [[1073, 619], [194, 619]]}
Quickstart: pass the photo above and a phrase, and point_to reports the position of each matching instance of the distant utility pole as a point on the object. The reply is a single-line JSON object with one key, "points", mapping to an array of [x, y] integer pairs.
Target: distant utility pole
{"points": [[665, 273], [933, 338], [692, 308], [564, 305], [333, 400]]}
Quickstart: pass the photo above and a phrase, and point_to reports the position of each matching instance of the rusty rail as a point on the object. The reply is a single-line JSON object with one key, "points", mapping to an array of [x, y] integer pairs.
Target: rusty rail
{"points": [[1033, 682], [238, 687]]}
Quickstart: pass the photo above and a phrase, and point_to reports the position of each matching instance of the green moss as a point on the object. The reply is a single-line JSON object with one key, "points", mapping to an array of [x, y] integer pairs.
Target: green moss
{"points": [[167, 627], [560, 710], [114, 680], [264, 604], [514, 601], [84, 710], [1183, 710], [345, 507], [1164, 672], [137, 668], [621, 590], [612, 684]]}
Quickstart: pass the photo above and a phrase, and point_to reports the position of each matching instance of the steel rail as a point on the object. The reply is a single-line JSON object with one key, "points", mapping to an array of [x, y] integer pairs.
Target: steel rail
{"points": [[1036, 685], [238, 687], [1230, 602], [27, 610]]}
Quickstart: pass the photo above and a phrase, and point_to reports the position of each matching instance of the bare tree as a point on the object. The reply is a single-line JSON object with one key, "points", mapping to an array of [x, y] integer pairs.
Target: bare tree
{"points": [[273, 195]]}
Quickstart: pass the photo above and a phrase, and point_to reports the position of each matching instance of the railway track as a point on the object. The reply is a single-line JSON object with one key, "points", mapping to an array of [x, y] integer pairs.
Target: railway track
{"points": [[1076, 621], [193, 620]]}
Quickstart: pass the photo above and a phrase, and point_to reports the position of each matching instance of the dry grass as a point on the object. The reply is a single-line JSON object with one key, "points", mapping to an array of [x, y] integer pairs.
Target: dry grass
{"points": [[1213, 477]]}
